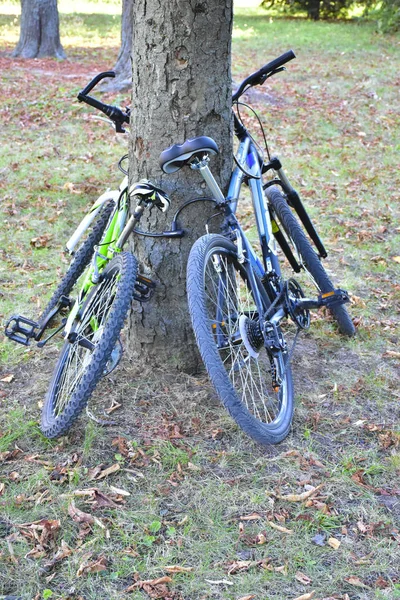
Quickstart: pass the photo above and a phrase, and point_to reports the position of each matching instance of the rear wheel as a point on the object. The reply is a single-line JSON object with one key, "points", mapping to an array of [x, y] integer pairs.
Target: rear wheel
{"points": [[89, 354], [80, 261], [226, 326], [306, 256]]}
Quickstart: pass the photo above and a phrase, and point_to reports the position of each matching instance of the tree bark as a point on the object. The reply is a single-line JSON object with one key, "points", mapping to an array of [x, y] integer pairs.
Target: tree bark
{"points": [[181, 89], [40, 30]]}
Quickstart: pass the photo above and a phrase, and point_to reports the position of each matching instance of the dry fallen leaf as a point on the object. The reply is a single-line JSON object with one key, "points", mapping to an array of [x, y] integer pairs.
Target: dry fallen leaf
{"points": [[109, 471], [119, 491], [247, 597], [61, 553], [306, 596], [280, 528], [334, 543], [260, 539], [10, 454], [253, 517], [296, 497], [79, 516], [178, 569], [42, 534], [92, 567], [396, 259], [391, 353], [356, 581], [304, 579], [97, 499], [239, 565], [8, 379], [41, 241], [151, 585], [281, 569]]}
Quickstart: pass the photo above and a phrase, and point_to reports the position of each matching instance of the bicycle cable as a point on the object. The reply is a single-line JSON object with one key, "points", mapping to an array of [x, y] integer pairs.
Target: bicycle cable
{"points": [[237, 103], [120, 167]]}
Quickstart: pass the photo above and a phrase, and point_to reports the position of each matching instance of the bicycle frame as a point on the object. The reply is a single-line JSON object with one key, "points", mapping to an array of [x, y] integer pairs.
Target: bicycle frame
{"points": [[108, 246], [250, 168]]}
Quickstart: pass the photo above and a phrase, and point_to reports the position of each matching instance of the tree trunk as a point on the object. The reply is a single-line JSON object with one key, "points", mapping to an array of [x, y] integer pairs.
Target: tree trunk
{"points": [[40, 30], [181, 89], [123, 66], [313, 9]]}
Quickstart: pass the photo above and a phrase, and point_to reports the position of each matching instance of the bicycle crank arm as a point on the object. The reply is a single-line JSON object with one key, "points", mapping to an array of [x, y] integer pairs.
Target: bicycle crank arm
{"points": [[64, 302], [44, 342], [328, 299]]}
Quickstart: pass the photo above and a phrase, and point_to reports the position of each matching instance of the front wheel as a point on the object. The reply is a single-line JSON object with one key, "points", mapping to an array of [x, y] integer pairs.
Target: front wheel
{"points": [[80, 261], [306, 256], [86, 355], [226, 325]]}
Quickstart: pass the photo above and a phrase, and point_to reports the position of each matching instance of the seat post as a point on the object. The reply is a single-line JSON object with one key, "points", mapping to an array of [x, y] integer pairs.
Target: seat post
{"points": [[202, 166]]}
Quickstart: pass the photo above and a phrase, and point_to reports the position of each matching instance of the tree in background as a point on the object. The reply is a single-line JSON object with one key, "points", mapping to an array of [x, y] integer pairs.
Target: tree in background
{"points": [[388, 16], [385, 12], [181, 89], [123, 66], [314, 9], [40, 30]]}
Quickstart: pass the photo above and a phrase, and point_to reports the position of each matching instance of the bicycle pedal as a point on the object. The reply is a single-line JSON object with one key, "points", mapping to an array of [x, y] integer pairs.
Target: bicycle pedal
{"points": [[334, 298], [21, 329], [144, 288], [327, 299]]}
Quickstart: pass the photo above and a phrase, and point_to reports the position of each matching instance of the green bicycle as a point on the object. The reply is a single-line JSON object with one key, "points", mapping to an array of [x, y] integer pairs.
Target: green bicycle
{"points": [[97, 307]]}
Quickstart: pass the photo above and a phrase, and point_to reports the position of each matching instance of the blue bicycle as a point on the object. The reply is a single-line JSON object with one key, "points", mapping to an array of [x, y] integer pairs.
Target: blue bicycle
{"points": [[239, 303]]}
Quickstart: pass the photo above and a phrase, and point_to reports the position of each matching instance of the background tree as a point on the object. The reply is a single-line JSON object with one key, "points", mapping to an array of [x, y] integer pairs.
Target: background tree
{"points": [[40, 31], [314, 9], [181, 89], [123, 66], [388, 16]]}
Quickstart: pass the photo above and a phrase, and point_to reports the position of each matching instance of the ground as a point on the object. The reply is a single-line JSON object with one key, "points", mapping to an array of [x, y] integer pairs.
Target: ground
{"points": [[172, 500]]}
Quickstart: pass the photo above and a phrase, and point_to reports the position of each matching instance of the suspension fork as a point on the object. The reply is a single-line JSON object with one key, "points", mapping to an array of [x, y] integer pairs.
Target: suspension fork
{"points": [[295, 201]]}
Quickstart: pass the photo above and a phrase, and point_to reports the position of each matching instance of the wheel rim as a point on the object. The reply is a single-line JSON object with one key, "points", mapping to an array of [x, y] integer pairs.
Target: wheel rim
{"points": [[229, 304], [89, 330]]}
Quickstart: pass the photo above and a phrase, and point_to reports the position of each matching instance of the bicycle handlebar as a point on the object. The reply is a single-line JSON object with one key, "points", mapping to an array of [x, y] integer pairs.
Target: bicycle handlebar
{"points": [[262, 74], [113, 112]]}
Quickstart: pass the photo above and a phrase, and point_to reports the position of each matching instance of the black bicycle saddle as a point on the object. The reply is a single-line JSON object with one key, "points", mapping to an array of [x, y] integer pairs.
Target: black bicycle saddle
{"points": [[177, 156]]}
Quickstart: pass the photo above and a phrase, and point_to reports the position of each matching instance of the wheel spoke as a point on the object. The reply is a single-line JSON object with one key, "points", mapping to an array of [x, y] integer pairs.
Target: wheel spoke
{"points": [[90, 328], [227, 297]]}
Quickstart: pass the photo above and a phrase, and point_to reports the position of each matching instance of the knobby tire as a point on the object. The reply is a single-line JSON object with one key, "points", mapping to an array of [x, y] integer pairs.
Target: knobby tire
{"points": [[309, 257], [79, 369]]}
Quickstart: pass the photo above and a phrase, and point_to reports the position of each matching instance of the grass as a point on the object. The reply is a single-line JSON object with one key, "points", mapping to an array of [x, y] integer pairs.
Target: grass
{"points": [[190, 474]]}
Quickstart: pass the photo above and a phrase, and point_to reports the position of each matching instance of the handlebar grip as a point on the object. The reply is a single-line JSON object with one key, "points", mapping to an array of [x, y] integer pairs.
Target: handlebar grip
{"points": [[260, 76], [277, 62], [95, 81]]}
